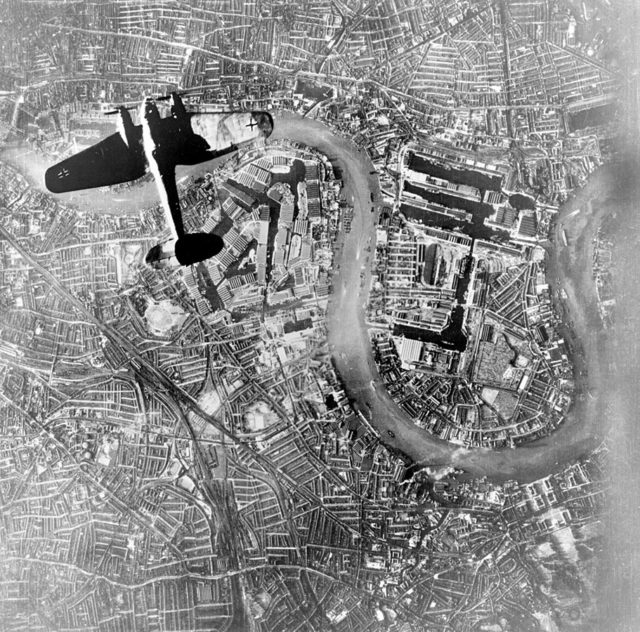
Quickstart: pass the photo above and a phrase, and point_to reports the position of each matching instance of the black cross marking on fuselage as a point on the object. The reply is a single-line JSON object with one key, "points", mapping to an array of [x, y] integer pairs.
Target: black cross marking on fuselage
{"points": [[251, 124]]}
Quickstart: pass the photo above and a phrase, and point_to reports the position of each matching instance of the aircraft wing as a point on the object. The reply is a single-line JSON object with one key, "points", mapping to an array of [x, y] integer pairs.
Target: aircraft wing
{"points": [[108, 162]]}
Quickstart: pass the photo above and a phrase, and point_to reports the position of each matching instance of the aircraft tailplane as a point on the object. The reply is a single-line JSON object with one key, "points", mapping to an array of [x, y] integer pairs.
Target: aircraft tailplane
{"points": [[187, 250]]}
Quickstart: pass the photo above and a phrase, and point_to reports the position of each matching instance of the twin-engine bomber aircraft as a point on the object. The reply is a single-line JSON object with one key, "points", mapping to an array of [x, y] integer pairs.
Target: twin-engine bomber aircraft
{"points": [[158, 145]]}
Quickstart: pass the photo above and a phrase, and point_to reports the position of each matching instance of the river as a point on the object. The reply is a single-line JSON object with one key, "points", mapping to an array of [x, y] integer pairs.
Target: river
{"points": [[569, 268]]}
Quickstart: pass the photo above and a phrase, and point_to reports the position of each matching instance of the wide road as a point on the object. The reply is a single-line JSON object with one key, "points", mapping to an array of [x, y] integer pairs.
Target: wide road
{"points": [[569, 268]]}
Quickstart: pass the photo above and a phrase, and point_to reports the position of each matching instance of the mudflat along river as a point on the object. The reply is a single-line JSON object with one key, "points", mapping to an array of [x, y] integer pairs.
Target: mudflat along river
{"points": [[569, 268]]}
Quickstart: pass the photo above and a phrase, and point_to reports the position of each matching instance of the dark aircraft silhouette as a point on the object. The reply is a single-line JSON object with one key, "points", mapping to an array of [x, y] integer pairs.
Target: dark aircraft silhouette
{"points": [[157, 145]]}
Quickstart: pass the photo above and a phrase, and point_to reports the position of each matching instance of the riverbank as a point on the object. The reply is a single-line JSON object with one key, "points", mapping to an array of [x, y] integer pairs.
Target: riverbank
{"points": [[568, 268]]}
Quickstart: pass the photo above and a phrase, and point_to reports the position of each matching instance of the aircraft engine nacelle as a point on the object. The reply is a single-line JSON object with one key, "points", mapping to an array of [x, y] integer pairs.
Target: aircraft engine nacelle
{"points": [[186, 250]]}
